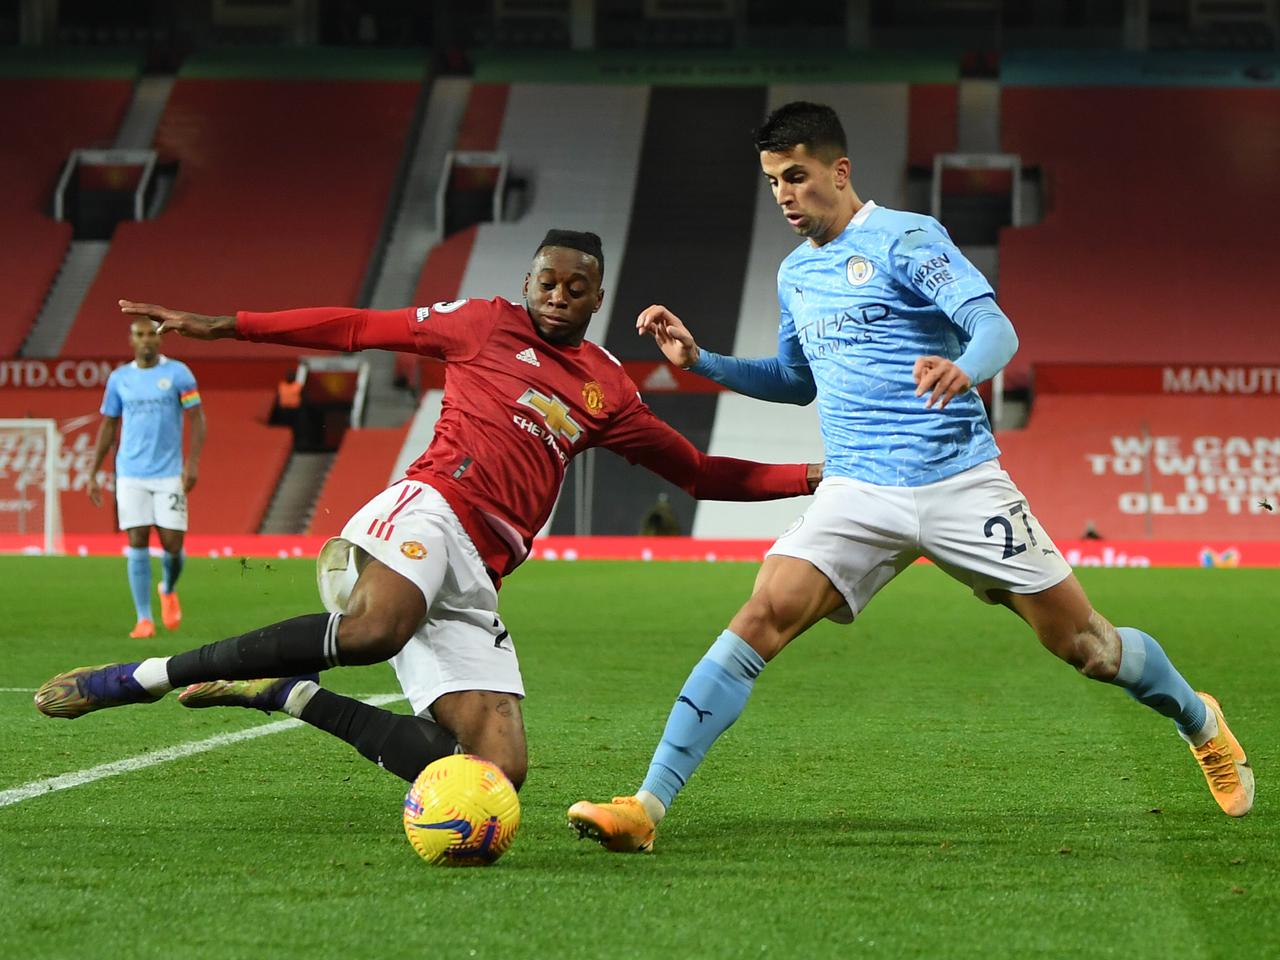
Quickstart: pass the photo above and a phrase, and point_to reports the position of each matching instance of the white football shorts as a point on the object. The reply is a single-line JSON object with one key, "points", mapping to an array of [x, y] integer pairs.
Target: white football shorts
{"points": [[976, 526], [462, 645], [148, 501]]}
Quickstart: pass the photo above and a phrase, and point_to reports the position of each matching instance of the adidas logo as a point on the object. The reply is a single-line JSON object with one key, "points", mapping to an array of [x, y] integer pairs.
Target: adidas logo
{"points": [[528, 356]]}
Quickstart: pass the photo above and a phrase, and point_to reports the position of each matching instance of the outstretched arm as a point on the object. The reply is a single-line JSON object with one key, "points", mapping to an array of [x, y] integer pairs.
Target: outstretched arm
{"points": [[785, 378], [197, 326], [641, 438], [316, 328]]}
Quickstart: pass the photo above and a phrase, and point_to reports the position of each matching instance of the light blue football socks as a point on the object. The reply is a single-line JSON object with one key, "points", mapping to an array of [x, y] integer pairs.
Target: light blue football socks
{"points": [[711, 700], [1148, 676], [139, 566], [172, 565]]}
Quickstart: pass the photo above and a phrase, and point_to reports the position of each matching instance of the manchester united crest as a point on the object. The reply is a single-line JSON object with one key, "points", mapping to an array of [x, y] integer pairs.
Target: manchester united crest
{"points": [[413, 549], [593, 396]]}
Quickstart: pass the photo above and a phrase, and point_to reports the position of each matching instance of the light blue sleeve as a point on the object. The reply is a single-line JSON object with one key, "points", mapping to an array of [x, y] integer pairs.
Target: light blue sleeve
{"points": [[926, 260], [785, 378], [112, 406], [992, 340]]}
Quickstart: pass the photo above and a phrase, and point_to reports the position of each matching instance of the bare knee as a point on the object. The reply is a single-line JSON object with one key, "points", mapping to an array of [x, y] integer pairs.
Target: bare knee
{"points": [[384, 611], [1093, 648], [368, 637], [763, 623], [171, 540], [515, 764], [489, 725], [1070, 628]]}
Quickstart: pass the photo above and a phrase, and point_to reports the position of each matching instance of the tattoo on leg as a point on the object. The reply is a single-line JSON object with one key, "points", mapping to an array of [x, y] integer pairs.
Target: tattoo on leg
{"points": [[504, 707]]}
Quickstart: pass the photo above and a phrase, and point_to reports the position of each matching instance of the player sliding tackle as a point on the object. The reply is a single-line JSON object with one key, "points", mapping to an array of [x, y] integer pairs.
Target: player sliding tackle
{"points": [[890, 327], [413, 578]]}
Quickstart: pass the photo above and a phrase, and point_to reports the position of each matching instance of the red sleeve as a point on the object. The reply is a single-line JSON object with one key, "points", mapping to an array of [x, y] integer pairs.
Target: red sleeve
{"points": [[446, 331], [639, 436]]}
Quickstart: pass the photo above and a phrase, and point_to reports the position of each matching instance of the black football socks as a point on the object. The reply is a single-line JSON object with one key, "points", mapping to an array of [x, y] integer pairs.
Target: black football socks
{"points": [[398, 743], [302, 645]]}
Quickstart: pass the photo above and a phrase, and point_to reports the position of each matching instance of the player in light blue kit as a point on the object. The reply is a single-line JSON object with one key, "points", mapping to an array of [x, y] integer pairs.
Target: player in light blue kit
{"points": [[890, 328], [151, 396]]}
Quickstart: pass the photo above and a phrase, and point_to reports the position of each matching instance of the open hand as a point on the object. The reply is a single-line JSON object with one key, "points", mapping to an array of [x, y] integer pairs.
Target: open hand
{"points": [[669, 332]]}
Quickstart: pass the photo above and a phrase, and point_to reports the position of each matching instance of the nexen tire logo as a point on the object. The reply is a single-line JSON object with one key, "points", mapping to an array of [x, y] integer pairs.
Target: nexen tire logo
{"points": [[57, 374]]}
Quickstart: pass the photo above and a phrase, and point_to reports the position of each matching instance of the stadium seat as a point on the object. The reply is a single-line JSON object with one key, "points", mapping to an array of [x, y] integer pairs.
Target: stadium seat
{"points": [[44, 118], [1157, 241], [281, 192]]}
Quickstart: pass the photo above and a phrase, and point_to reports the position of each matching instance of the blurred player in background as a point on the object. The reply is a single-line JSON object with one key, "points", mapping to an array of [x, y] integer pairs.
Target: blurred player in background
{"points": [[414, 576], [144, 405], [890, 327]]}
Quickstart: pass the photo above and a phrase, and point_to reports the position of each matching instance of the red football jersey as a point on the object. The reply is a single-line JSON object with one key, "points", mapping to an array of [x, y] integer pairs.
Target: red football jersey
{"points": [[516, 410]]}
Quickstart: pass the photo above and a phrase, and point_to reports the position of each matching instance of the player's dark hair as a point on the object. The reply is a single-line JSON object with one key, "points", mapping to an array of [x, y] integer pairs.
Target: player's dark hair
{"points": [[588, 243], [814, 126]]}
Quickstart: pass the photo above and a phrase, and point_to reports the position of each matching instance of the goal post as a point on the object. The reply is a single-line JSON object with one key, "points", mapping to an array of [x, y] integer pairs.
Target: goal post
{"points": [[30, 486]]}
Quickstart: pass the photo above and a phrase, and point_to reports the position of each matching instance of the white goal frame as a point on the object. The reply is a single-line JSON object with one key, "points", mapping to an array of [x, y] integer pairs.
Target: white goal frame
{"points": [[52, 490]]}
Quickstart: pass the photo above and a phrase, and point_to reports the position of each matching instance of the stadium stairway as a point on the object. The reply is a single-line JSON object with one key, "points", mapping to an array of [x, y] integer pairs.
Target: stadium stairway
{"points": [[295, 494], [49, 107], [364, 465], [292, 222], [412, 232], [84, 257], [75, 277]]}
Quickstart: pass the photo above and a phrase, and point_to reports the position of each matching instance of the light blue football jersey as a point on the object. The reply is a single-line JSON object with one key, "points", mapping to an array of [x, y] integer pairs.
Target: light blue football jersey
{"points": [[151, 401], [862, 309]]}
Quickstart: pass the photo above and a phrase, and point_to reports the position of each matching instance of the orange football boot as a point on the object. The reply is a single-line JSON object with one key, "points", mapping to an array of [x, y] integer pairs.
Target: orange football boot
{"points": [[1225, 766], [170, 609], [622, 826], [144, 629]]}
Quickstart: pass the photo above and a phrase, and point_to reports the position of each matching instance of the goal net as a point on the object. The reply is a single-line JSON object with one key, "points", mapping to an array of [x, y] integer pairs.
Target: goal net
{"points": [[30, 478]]}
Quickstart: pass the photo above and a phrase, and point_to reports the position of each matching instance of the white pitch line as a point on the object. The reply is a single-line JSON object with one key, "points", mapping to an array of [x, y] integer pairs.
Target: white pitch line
{"points": [[17, 689], [78, 779]]}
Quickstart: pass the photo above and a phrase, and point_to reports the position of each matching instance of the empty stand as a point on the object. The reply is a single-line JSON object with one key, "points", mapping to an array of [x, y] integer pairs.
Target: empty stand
{"points": [[364, 465], [280, 197], [1158, 237], [44, 119], [582, 178], [242, 458]]}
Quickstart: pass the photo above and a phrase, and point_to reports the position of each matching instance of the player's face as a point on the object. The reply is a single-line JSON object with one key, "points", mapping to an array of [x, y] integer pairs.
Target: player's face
{"points": [[561, 292], [144, 340], [808, 191]]}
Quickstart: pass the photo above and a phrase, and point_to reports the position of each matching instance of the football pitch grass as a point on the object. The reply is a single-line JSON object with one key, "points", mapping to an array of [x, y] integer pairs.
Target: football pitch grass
{"points": [[927, 783]]}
